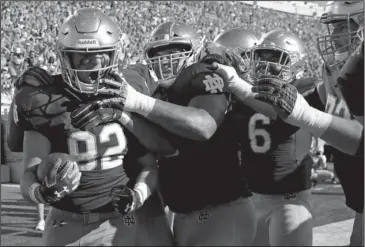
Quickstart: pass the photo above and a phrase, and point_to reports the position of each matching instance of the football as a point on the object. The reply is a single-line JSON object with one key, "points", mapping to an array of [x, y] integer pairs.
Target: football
{"points": [[47, 166]]}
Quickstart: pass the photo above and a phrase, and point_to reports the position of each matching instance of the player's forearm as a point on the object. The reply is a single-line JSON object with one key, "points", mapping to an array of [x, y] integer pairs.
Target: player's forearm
{"points": [[343, 134], [188, 122], [242, 90], [150, 135], [29, 177], [146, 182]]}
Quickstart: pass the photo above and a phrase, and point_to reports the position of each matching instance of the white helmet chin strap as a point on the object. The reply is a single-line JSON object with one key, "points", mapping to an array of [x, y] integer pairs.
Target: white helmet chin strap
{"points": [[340, 57]]}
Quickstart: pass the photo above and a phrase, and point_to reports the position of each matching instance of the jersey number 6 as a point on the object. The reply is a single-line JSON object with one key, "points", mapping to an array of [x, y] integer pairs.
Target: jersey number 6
{"points": [[89, 158], [254, 133]]}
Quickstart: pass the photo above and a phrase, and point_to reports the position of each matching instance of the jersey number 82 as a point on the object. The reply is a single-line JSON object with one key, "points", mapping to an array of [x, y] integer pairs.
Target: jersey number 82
{"points": [[88, 160]]}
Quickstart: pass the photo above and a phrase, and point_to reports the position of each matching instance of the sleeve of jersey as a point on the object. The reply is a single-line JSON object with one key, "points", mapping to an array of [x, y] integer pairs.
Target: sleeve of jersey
{"points": [[34, 108]]}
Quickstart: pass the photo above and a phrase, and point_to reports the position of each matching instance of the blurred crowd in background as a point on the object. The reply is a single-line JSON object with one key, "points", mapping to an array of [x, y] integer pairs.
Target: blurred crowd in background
{"points": [[29, 28]]}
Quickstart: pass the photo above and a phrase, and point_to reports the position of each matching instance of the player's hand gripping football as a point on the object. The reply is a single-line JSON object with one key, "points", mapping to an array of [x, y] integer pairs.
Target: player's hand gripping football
{"points": [[282, 96], [125, 200], [59, 176]]}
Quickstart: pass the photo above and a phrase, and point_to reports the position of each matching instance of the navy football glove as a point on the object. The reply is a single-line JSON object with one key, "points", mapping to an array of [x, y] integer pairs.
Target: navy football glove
{"points": [[277, 93], [125, 200], [59, 176]]}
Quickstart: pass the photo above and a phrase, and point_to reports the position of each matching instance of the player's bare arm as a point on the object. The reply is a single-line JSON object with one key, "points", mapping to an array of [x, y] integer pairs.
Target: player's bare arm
{"points": [[33, 155], [146, 182], [193, 122], [198, 121]]}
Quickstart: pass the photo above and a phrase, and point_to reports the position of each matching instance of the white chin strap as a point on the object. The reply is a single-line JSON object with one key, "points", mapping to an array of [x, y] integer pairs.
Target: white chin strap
{"points": [[341, 57]]}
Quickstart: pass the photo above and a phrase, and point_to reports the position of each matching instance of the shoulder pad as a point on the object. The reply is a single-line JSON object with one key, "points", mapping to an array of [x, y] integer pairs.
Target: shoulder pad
{"points": [[41, 106], [34, 76]]}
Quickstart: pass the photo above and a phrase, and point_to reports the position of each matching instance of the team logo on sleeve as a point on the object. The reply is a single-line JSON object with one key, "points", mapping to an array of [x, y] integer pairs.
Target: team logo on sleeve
{"points": [[213, 84]]}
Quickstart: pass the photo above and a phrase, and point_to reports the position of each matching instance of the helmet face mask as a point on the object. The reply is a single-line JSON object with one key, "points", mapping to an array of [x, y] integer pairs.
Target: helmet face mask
{"points": [[244, 59], [279, 53], [271, 62], [89, 46], [168, 61], [172, 46], [344, 21], [85, 70]]}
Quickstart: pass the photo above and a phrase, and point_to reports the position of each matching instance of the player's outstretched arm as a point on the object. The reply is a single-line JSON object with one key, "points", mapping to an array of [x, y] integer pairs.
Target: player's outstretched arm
{"points": [[345, 135], [197, 121], [33, 155]]}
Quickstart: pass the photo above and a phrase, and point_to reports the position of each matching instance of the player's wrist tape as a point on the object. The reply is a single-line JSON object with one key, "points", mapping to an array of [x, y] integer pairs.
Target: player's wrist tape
{"points": [[140, 103], [143, 191], [125, 118], [35, 194], [314, 121], [241, 89]]}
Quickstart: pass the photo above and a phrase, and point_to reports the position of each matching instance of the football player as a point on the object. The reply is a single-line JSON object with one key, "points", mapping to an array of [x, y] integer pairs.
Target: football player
{"points": [[201, 182], [273, 151], [340, 129], [95, 185]]}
